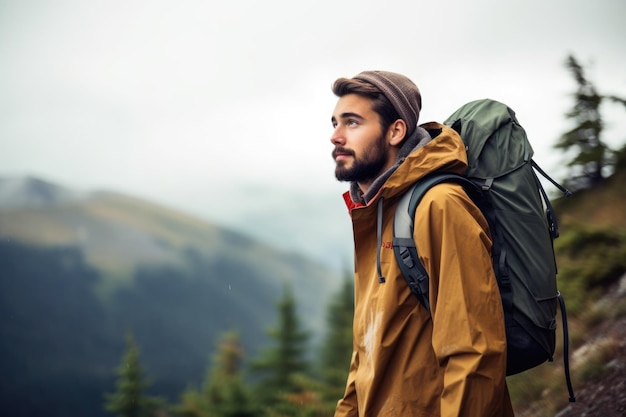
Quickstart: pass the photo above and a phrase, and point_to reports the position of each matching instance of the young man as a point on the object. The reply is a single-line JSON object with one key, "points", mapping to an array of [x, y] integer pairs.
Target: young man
{"points": [[407, 361]]}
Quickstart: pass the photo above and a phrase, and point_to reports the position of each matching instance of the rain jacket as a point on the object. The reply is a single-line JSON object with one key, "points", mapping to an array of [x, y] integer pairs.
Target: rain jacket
{"points": [[406, 361]]}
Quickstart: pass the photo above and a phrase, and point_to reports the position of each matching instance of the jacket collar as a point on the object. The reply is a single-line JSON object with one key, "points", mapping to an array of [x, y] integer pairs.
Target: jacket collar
{"points": [[418, 139]]}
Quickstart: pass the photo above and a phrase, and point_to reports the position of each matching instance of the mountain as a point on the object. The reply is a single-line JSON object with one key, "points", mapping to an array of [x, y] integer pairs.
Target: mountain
{"points": [[29, 191], [80, 270]]}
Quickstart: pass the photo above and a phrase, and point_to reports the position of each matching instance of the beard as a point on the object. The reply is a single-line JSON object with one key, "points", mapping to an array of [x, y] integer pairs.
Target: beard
{"points": [[365, 167]]}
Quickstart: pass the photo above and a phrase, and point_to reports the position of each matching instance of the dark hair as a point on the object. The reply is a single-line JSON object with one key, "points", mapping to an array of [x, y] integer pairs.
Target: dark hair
{"points": [[380, 104]]}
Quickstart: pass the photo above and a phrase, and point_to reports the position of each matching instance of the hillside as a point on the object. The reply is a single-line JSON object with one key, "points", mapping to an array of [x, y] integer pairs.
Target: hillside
{"points": [[599, 206], [79, 270], [591, 254]]}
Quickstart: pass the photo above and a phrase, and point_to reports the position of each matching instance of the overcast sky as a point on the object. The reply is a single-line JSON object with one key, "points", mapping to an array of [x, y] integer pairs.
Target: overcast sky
{"points": [[179, 101]]}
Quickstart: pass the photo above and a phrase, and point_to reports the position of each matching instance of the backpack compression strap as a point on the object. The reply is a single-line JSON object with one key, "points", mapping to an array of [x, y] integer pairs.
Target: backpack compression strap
{"points": [[403, 244]]}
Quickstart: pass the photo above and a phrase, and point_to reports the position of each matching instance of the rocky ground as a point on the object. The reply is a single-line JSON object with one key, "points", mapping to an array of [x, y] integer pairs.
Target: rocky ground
{"points": [[605, 395]]}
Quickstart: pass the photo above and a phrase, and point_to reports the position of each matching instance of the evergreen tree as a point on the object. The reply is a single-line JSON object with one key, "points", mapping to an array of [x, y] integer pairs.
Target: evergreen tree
{"points": [[129, 399], [337, 348], [593, 155], [306, 401], [225, 393], [280, 365]]}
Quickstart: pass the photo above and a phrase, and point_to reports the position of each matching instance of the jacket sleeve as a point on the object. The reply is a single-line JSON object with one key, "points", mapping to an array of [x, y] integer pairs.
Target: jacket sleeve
{"points": [[468, 322], [347, 406]]}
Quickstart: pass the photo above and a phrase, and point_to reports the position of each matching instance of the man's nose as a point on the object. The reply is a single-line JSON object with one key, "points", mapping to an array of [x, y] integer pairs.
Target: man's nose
{"points": [[337, 138]]}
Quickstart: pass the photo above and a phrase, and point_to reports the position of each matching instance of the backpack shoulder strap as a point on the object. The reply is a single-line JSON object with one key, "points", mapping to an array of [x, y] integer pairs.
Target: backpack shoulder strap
{"points": [[404, 245]]}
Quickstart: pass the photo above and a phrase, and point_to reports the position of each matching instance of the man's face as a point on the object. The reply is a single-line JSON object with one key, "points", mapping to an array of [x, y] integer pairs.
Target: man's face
{"points": [[361, 152]]}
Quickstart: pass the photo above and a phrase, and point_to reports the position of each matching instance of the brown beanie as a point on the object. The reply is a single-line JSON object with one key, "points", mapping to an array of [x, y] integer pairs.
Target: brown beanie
{"points": [[400, 91]]}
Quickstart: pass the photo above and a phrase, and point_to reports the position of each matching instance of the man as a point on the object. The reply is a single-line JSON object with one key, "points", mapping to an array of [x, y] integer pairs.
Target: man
{"points": [[407, 361]]}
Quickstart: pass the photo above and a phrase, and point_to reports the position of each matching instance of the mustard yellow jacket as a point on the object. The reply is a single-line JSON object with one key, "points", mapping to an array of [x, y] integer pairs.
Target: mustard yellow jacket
{"points": [[406, 361]]}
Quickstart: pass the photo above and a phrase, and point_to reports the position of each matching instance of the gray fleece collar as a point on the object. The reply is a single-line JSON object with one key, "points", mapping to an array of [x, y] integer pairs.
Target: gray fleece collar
{"points": [[418, 139]]}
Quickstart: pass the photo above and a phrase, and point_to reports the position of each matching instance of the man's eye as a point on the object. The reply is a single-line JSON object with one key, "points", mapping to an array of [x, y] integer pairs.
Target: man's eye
{"points": [[352, 122]]}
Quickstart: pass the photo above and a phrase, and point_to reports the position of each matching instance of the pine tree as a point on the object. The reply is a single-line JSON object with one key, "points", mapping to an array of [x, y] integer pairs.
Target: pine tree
{"points": [[281, 365], [593, 156], [129, 399], [225, 393], [337, 347]]}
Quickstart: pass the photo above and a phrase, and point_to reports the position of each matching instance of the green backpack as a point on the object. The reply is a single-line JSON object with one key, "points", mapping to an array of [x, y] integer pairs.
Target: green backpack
{"points": [[501, 180]]}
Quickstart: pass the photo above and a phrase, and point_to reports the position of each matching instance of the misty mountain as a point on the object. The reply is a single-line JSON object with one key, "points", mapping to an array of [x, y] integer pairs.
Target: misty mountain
{"points": [[80, 270], [33, 192]]}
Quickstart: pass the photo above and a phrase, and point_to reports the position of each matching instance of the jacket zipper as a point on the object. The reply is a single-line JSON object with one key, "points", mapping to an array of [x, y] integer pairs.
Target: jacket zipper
{"points": [[379, 238]]}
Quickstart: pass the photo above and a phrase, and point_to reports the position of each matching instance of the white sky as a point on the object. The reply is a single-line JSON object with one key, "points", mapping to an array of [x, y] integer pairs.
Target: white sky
{"points": [[180, 101]]}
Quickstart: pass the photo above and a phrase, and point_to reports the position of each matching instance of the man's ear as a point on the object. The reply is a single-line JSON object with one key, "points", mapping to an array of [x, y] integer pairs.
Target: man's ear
{"points": [[396, 132]]}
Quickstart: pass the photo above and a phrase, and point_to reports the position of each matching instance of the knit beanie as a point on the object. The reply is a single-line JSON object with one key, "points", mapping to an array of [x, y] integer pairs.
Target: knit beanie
{"points": [[400, 91]]}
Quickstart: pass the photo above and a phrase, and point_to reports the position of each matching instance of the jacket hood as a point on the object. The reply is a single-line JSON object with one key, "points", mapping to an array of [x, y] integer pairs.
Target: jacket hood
{"points": [[432, 147]]}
